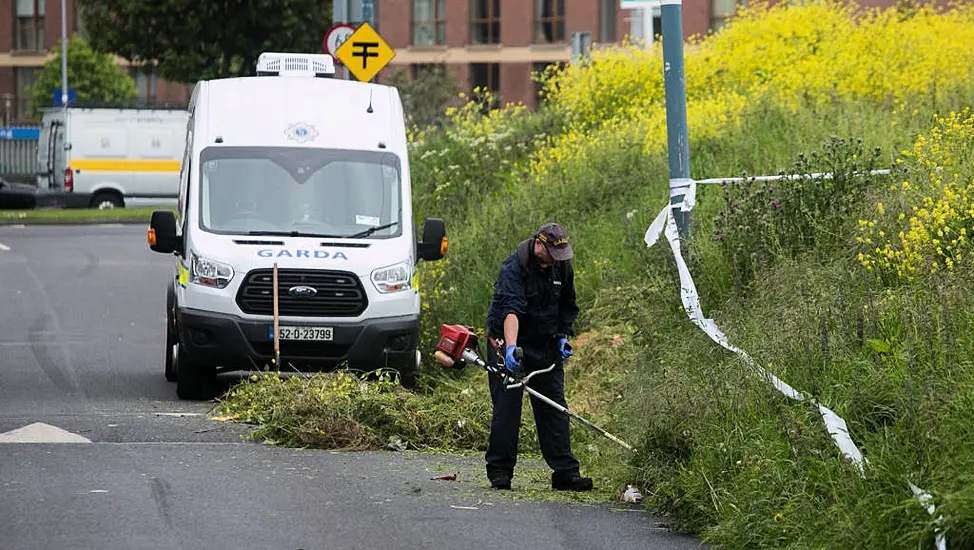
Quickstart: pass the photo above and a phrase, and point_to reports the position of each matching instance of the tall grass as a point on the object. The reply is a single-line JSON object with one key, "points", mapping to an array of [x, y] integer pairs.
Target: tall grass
{"points": [[794, 89]]}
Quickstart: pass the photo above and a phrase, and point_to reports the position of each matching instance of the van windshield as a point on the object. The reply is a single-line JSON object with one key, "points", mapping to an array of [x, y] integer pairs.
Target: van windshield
{"points": [[300, 191]]}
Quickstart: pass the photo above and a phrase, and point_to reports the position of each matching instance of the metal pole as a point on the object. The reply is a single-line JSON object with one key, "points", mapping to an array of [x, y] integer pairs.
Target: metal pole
{"points": [[64, 54], [341, 13], [674, 81]]}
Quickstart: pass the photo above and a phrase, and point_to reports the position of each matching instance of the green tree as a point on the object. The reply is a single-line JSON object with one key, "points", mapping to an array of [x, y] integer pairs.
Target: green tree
{"points": [[191, 40], [94, 76], [426, 97]]}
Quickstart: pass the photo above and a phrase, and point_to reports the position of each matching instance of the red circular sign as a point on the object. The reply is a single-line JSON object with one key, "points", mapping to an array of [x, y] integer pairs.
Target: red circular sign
{"points": [[341, 31]]}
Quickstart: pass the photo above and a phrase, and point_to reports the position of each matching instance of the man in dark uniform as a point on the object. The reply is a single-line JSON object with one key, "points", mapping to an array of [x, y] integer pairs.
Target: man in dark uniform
{"points": [[534, 308]]}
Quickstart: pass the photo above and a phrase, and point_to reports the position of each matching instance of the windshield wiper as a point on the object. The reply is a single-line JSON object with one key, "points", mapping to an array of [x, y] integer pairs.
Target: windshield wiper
{"points": [[371, 230], [291, 234]]}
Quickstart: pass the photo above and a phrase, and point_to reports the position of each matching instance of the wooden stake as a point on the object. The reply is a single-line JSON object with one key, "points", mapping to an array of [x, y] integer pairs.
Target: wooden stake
{"points": [[277, 331]]}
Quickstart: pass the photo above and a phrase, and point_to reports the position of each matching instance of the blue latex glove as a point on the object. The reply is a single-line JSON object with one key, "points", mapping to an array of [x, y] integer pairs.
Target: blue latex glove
{"points": [[509, 361], [565, 348]]}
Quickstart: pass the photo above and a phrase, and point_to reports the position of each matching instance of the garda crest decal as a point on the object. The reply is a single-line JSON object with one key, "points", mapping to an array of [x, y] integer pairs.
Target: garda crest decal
{"points": [[301, 132]]}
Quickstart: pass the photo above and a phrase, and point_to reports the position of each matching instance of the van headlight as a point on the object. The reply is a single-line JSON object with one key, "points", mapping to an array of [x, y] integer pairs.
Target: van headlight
{"points": [[206, 272], [394, 278]]}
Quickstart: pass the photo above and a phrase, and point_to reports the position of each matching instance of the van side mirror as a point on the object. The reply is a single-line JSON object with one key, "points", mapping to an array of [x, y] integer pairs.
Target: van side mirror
{"points": [[162, 233], [434, 244]]}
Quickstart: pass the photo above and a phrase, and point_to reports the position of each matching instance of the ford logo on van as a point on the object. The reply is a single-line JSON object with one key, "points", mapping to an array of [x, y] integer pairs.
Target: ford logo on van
{"points": [[302, 291]]}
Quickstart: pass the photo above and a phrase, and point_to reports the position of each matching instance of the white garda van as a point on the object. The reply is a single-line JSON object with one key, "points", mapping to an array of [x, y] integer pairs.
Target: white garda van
{"points": [[293, 169], [108, 157]]}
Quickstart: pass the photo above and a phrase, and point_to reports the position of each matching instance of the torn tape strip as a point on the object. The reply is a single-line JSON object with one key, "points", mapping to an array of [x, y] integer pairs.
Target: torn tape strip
{"points": [[836, 425], [924, 498], [691, 304], [687, 188]]}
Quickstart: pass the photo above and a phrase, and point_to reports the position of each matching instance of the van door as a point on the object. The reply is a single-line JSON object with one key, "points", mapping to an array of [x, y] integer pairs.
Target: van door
{"points": [[47, 161], [59, 155]]}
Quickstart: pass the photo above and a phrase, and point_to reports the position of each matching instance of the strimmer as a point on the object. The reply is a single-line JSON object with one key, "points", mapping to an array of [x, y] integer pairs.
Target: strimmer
{"points": [[457, 348]]}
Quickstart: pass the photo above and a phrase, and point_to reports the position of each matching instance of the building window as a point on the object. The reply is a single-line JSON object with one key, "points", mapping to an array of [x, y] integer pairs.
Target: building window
{"points": [[29, 25], [429, 22], [607, 20], [721, 11], [25, 76], [485, 20], [145, 81], [540, 70], [549, 21], [486, 76]]}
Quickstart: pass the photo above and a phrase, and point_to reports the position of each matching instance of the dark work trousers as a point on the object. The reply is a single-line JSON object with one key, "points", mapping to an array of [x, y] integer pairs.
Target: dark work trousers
{"points": [[552, 424]]}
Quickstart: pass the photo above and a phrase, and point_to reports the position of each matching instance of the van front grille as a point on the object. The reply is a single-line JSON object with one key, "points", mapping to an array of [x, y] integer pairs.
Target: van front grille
{"points": [[337, 293]]}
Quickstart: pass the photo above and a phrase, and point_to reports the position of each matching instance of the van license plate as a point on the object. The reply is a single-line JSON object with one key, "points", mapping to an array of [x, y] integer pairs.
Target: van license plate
{"points": [[320, 334]]}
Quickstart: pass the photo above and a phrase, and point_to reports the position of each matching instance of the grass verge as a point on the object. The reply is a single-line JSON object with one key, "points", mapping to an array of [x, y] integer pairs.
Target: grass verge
{"points": [[80, 215], [852, 291]]}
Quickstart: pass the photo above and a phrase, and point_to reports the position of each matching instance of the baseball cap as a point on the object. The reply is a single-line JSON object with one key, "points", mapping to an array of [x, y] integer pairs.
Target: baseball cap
{"points": [[555, 238]]}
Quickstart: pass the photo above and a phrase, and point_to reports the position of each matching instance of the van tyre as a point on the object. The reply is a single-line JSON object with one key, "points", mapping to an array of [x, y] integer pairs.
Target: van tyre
{"points": [[409, 373], [105, 200], [193, 378], [408, 376], [172, 341], [171, 367]]}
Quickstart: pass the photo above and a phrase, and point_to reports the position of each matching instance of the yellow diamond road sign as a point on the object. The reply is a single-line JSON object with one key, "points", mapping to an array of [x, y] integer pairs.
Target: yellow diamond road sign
{"points": [[365, 53]]}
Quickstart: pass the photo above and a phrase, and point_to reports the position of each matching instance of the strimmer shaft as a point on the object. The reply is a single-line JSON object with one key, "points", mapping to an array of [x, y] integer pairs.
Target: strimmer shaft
{"points": [[471, 357], [579, 418]]}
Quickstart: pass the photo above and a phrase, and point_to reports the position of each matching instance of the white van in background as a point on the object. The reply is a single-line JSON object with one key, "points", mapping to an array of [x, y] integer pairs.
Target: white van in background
{"points": [[297, 177], [109, 157]]}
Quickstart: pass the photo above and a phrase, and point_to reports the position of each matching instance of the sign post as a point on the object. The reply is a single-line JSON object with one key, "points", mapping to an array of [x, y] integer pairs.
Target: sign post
{"points": [[64, 54], [677, 135], [364, 53], [368, 12]]}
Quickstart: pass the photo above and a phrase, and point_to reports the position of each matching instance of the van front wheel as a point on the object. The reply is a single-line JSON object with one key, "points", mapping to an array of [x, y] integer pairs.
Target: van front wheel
{"points": [[105, 200], [193, 378], [409, 373]]}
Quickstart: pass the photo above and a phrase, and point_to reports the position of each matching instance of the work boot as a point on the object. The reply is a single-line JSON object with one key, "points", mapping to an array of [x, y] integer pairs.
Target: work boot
{"points": [[500, 481], [570, 482]]}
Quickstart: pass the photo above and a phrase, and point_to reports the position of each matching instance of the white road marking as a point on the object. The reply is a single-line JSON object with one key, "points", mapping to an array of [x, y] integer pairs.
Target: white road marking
{"points": [[4, 247], [38, 432]]}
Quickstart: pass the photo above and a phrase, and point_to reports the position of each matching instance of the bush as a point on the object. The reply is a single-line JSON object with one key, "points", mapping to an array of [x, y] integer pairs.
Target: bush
{"points": [[924, 228], [764, 220]]}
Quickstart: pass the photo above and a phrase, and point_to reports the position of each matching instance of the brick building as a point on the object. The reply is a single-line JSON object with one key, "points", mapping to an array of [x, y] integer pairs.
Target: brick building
{"points": [[490, 43], [29, 29]]}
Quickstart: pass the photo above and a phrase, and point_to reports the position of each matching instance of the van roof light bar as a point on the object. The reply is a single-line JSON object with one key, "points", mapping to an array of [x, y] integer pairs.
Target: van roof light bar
{"points": [[295, 64]]}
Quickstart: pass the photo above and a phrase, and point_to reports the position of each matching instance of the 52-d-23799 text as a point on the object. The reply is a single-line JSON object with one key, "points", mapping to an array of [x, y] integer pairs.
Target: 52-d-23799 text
{"points": [[303, 333]]}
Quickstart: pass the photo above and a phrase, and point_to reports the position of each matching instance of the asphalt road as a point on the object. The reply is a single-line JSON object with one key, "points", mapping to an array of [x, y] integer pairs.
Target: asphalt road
{"points": [[96, 451]]}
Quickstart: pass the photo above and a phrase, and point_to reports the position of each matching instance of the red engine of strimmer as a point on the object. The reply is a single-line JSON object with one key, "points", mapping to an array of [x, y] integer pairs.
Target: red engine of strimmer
{"points": [[454, 341]]}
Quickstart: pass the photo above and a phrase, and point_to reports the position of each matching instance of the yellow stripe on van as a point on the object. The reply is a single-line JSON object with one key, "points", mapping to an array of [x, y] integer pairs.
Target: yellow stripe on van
{"points": [[128, 165]]}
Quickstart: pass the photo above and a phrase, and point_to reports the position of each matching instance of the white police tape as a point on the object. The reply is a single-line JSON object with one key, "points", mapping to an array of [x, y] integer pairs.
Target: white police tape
{"points": [[691, 304], [813, 175], [924, 498], [664, 224]]}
